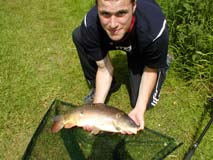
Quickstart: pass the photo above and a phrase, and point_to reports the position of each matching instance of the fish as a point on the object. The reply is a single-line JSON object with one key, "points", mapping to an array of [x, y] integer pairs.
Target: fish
{"points": [[99, 116]]}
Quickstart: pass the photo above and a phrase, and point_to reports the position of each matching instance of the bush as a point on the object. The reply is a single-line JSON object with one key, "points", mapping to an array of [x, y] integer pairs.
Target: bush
{"points": [[191, 40]]}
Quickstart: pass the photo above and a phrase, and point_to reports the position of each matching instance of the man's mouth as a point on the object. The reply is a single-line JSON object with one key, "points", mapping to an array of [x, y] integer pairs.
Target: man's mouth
{"points": [[114, 31]]}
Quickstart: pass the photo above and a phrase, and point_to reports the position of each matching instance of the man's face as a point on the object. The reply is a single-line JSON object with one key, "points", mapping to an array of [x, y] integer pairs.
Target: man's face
{"points": [[115, 17]]}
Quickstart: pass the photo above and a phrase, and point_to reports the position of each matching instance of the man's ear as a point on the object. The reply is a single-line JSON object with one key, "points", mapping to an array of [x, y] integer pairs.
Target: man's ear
{"points": [[134, 7]]}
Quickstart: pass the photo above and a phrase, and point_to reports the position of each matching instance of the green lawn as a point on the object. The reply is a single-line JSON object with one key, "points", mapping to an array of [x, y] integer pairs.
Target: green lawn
{"points": [[38, 63]]}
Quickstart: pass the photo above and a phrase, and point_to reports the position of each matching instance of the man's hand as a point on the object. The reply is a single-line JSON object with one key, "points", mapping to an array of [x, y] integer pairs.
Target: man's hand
{"points": [[138, 117]]}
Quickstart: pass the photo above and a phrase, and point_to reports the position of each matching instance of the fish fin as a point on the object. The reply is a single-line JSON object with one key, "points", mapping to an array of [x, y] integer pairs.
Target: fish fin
{"points": [[95, 131], [116, 126], [58, 124]]}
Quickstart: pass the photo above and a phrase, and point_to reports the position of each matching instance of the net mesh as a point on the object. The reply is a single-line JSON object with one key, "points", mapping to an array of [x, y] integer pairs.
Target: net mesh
{"points": [[77, 144]]}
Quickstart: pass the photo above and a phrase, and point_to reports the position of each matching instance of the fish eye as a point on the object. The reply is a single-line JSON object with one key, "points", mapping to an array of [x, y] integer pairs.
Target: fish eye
{"points": [[118, 115]]}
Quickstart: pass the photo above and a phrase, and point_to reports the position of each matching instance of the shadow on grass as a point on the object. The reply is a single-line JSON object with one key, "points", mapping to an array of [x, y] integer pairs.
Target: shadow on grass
{"points": [[81, 145], [208, 109], [119, 61], [71, 145]]}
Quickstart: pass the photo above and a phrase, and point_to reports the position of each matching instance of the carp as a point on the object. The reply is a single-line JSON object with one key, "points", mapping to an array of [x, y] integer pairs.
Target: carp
{"points": [[100, 116]]}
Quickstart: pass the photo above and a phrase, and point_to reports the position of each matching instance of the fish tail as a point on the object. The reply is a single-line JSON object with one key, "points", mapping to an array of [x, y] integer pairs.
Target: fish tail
{"points": [[58, 123]]}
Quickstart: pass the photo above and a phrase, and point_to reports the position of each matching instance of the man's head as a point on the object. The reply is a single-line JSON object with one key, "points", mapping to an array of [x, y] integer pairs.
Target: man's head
{"points": [[116, 16]]}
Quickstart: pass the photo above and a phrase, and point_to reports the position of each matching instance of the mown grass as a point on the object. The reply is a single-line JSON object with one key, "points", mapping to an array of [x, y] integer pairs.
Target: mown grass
{"points": [[38, 63]]}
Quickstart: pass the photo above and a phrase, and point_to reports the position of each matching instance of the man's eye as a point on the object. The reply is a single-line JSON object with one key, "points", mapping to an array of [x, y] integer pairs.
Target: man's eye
{"points": [[105, 14], [121, 13]]}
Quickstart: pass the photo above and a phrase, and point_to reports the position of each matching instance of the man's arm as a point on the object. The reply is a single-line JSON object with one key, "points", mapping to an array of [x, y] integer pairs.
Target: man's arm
{"points": [[103, 79], [147, 84]]}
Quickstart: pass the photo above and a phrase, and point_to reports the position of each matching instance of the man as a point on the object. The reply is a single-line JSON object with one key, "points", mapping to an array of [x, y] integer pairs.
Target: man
{"points": [[137, 27]]}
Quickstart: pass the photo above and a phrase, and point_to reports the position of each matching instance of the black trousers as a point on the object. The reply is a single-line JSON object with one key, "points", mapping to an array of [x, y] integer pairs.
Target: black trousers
{"points": [[135, 69]]}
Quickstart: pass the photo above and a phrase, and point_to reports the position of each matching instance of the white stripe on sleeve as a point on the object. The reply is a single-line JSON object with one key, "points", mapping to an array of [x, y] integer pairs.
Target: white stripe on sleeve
{"points": [[161, 31], [85, 20]]}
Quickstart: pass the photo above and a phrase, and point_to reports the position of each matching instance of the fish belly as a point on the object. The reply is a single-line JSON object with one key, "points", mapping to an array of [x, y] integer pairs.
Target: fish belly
{"points": [[98, 124]]}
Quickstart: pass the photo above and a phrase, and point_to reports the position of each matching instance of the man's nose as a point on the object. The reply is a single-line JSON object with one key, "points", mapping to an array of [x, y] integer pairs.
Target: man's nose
{"points": [[113, 22]]}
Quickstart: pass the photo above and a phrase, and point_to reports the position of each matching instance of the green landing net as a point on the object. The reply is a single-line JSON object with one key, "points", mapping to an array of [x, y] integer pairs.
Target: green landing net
{"points": [[77, 144]]}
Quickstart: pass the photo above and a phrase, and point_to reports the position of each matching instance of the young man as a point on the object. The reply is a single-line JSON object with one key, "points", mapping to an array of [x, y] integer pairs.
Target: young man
{"points": [[137, 27]]}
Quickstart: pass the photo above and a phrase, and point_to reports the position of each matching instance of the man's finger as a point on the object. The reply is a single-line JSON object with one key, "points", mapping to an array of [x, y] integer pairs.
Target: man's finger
{"points": [[88, 128], [68, 125], [141, 126]]}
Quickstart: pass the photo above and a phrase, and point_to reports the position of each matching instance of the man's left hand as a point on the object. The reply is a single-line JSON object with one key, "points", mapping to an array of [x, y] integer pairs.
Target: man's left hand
{"points": [[137, 117]]}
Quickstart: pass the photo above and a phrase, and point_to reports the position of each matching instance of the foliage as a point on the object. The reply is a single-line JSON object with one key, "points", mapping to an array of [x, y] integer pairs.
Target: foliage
{"points": [[191, 40]]}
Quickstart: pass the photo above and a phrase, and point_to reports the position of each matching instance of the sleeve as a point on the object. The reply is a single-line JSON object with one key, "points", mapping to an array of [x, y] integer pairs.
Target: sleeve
{"points": [[91, 33], [152, 34], [155, 54]]}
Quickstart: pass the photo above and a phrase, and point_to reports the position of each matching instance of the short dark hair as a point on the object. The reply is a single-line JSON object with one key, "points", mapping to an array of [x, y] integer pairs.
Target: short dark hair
{"points": [[133, 1]]}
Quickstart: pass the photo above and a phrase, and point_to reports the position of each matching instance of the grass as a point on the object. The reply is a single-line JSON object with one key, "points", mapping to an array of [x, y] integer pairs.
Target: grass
{"points": [[38, 63]]}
